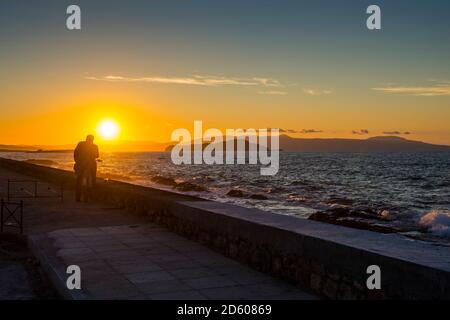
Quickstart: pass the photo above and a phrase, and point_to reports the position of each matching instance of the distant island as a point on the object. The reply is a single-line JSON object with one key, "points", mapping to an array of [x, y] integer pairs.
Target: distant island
{"points": [[374, 144], [31, 149]]}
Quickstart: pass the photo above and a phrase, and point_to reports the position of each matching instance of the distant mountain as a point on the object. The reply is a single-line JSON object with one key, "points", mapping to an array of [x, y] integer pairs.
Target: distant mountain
{"points": [[374, 144]]}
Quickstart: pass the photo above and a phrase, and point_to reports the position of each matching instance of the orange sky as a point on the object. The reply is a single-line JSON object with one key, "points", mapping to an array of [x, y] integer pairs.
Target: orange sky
{"points": [[154, 73], [65, 114]]}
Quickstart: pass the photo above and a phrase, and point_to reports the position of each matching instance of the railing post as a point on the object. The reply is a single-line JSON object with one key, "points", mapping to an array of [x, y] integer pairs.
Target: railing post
{"points": [[21, 216], [1, 224]]}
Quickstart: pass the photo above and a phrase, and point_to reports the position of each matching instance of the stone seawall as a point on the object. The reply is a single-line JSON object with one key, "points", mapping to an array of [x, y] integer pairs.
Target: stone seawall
{"points": [[329, 260]]}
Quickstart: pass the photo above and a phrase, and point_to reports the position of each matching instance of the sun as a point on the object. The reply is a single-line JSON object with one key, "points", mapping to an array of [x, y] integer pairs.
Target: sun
{"points": [[108, 129]]}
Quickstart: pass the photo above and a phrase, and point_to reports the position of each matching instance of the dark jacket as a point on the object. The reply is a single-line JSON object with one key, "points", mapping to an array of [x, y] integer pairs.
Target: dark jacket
{"points": [[85, 156]]}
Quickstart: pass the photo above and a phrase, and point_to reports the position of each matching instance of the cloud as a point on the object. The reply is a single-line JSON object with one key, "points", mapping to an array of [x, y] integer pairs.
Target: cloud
{"points": [[195, 80], [305, 131], [396, 132], [310, 131], [438, 89], [361, 132], [316, 92], [273, 93]]}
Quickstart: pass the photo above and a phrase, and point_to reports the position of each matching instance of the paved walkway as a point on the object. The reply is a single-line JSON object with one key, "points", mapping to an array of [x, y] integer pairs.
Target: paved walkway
{"points": [[149, 262], [123, 256]]}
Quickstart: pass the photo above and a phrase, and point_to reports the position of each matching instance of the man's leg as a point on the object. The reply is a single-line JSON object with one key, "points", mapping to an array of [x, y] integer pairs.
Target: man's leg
{"points": [[78, 188], [90, 181], [94, 176]]}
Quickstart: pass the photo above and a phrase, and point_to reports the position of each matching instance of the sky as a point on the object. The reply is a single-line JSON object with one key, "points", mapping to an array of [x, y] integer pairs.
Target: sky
{"points": [[310, 68]]}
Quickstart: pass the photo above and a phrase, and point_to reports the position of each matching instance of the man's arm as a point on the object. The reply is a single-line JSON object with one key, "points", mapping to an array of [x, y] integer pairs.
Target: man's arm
{"points": [[76, 153]]}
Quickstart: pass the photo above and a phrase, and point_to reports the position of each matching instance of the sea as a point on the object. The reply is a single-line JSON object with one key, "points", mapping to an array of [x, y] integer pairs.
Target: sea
{"points": [[408, 193]]}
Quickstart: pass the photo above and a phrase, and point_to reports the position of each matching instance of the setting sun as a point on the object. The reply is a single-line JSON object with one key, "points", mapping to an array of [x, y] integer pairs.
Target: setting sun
{"points": [[108, 129]]}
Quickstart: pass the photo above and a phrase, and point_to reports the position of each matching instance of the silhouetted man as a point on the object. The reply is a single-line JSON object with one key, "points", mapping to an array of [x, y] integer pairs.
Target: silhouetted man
{"points": [[85, 156]]}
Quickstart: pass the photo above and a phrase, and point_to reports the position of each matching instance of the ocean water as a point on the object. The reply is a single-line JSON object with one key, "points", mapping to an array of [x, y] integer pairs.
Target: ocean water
{"points": [[409, 192]]}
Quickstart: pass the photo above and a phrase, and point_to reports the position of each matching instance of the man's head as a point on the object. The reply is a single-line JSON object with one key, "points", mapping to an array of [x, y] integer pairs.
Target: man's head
{"points": [[90, 139]]}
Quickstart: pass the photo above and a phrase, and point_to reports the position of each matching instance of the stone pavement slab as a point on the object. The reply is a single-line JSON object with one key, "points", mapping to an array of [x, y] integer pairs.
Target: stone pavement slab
{"points": [[146, 261]]}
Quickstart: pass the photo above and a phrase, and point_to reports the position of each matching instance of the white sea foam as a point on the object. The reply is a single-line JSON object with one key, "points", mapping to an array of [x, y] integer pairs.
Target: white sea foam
{"points": [[437, 222]]}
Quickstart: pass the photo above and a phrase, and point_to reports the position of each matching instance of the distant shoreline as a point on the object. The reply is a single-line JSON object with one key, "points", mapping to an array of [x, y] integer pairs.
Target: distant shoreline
{"points": [[286, 144], [282, 151], [35, 151]]}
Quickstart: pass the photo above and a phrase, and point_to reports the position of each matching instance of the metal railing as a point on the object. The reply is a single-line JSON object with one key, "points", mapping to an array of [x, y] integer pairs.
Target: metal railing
{"points": [[29, 189], [11, 215]]}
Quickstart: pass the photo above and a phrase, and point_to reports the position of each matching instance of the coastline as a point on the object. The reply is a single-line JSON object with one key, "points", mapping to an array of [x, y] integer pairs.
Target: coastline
{"points": [[368, 201]]}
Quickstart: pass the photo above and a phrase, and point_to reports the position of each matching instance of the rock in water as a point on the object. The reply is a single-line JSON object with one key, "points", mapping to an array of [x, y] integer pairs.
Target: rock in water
{"points": [[236, 193], [164, 181], [258, 196], [344, 217]]}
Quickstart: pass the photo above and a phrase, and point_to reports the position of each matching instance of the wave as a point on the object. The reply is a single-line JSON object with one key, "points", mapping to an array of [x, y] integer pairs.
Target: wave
{"points": [[437, 222], [42, 162], [299, 183]]}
